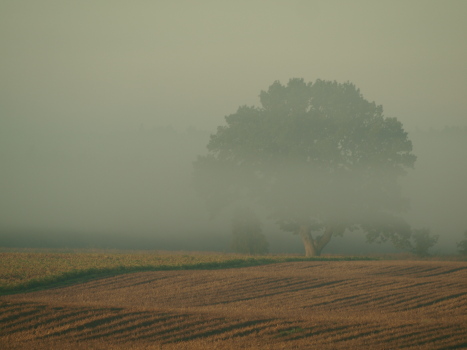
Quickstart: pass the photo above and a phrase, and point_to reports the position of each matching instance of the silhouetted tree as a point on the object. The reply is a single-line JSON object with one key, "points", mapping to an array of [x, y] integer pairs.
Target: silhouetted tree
{"points": [[462, 245], [319, 156], [422, 241], [246, 231]]}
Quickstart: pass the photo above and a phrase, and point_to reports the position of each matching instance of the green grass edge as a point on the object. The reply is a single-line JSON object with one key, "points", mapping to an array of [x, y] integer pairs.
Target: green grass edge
{"points": [[80, 276]]}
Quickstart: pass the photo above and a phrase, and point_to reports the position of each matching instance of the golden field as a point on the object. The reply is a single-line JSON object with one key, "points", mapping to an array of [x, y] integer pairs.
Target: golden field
{"points": [[286, 305]]}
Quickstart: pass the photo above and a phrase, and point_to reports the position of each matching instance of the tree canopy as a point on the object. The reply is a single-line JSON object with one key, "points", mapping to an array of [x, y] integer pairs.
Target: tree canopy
{"points": [[318, 156]]}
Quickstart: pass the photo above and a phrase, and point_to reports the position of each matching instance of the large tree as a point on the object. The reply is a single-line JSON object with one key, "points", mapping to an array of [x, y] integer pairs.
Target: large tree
{"points": [[318, 156]]}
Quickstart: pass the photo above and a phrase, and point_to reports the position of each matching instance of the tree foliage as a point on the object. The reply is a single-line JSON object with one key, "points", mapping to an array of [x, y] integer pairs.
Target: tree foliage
{"points": [[319, 156]]}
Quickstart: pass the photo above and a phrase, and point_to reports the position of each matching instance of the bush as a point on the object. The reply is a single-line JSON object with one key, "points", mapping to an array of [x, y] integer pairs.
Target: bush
{"points": [[422, 241], [247, 236]]}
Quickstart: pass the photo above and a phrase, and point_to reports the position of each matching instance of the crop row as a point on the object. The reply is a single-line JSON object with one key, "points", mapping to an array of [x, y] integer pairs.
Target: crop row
{"points": [[25, 270]]}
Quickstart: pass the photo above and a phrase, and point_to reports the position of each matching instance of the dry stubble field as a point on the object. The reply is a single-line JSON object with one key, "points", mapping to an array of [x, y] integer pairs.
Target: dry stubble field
{"points": [[291, 305]]}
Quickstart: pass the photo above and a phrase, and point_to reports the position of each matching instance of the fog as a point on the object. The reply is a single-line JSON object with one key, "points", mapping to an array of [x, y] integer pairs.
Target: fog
{"points": [[134, 190], [136, 183], [437, 186], [104, 108]]}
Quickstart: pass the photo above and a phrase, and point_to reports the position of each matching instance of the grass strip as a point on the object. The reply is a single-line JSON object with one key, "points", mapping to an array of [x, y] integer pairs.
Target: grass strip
{"points": [[83, 275]]}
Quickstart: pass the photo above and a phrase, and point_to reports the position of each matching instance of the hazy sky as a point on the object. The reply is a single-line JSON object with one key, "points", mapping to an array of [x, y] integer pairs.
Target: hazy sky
{"points": [[115, 65]]}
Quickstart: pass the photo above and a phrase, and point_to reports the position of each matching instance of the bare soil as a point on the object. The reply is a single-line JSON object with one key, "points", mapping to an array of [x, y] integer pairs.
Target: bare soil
{"points": [[300, 305]]}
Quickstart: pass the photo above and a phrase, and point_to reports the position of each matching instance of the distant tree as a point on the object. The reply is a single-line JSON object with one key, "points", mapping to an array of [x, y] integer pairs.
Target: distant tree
{"points": [[422, 241], [462, 245], [247, 235], [319, 156]]}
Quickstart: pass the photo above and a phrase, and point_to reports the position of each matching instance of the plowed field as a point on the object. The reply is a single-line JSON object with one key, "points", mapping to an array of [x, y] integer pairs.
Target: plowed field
{"points": [[300, 305]]}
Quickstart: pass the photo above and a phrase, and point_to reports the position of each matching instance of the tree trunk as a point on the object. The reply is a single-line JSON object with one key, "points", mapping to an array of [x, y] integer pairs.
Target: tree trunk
{"points": [[307, 240], [313, 247]]}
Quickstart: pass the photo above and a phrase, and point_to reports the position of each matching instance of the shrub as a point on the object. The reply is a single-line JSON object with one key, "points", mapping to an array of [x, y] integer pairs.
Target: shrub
{"points": [[423, 241], [247, 236]]}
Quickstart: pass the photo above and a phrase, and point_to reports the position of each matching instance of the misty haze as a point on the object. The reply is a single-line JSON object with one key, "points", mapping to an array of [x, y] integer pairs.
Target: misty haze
{"points": [[233, 175], [134, 190], [104, 113]]}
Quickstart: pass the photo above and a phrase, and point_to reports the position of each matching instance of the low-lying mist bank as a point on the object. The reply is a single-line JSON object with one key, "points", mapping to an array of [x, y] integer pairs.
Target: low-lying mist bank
{"points": [[279, 242], [437, 186], [133, 191]]}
